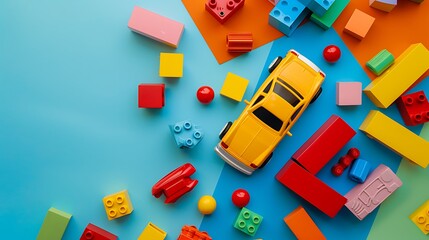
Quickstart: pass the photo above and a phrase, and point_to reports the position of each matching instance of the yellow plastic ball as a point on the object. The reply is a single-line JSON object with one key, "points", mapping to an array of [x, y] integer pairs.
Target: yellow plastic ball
{"points": [[207, 204]]}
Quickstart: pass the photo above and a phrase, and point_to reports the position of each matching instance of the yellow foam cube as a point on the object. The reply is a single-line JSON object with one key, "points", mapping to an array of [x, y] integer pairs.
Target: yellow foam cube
{"points": [[396, 137], [152, 232], [405, 71], [171, 65], [420, 217], [117, 205], [234, 87]]}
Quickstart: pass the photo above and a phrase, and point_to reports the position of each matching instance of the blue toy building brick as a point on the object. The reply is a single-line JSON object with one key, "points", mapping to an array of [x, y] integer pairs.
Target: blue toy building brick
{"points": [[359, 170], [287, 15], [248, 222], [186, 134], [320, 7]]}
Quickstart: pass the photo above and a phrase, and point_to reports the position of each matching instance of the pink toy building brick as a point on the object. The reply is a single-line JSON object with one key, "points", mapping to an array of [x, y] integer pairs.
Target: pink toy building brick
{"points": [[364, 198], [316, 152], [414, 108], [349, 93], [151, 95], [155, 26]]}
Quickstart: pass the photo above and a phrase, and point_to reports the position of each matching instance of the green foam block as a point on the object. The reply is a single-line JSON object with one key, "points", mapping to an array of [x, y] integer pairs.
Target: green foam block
{"points": [[331, 15], [54, 225], [380, 62]]}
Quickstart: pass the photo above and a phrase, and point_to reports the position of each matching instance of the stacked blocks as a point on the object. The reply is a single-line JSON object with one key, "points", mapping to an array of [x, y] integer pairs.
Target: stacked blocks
{"points": [[222, 10], [349, 93], [320, 7], [93, 232], [326, 20], [192, 233], [239, 42], [54, 225], [420, 217], [380, 62], [186, 134], [155, 26], [414, 108], [303, 226], [408, 67], [171, 65], [359, 170], [152, 232], [383, 5], [396, 137], [118, 205], [151, 95], [248, 222], [359, 24], [364, 198], [287, 15], [234, 87]]}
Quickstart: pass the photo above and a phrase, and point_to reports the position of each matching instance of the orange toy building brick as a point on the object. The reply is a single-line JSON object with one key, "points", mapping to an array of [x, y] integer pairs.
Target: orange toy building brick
{"points": [[359, 24], [302, 225], [117, 205], [192, 233]]}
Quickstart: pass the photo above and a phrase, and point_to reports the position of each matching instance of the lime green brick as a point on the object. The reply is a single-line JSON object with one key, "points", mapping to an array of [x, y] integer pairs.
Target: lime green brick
{"points": [[380, 62], [54, 225], [331, 15], [248, 222]]}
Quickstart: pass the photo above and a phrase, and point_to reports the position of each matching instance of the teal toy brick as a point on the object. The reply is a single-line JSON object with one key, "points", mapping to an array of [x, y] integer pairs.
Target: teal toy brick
{"points": [[248, 222], [331, 15], [54, 225], [378, 64], [320, 7], [287, 15], [186, 134], [359, 170]]}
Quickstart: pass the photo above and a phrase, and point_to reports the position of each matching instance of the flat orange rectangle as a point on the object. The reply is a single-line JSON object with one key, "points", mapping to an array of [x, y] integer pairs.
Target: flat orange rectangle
{"points": [[303, 226], [252, 17]]}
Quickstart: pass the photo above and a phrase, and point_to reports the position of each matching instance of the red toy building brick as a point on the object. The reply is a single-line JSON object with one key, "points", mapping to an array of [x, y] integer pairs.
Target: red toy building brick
{"points": [[192, 233], [222, 10], [93, 232], [323, 144], [175, 184], [345, 161], [239, 42], [310, 188], [151, 95], [414, 108]]}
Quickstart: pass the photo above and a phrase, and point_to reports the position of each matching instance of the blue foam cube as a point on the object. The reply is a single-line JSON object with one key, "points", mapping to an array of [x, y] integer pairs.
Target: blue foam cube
{"points": [[287, 15], [186, 134], [319, 7], [359, 170]]}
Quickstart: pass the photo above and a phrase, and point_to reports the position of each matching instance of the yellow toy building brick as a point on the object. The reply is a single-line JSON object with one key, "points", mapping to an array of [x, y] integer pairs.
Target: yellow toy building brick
{"points": [[396, 137], [171, 65], [421, 217], [234, 87], [152, 232], [117, 205], [408, 67]]}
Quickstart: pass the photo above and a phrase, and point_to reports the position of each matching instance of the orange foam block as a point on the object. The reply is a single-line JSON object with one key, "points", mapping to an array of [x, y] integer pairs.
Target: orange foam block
{"points": [[253, 17], [302, 225], [359, 24], [155, 26]]}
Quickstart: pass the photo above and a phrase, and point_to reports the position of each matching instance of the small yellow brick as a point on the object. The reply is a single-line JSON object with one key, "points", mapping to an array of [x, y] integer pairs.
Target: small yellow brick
{"points": [[421, 217], [171, 65], [234, 87], [117, 205], [152, 232]]}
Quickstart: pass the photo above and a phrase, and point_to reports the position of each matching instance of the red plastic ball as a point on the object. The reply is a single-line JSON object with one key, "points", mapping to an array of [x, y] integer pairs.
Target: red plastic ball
{"points": [[205, 94], [332, 53], [240, 198]]}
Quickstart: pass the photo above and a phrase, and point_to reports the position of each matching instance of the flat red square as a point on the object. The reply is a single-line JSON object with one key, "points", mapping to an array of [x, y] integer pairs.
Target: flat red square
{"points": [[151, 95]]}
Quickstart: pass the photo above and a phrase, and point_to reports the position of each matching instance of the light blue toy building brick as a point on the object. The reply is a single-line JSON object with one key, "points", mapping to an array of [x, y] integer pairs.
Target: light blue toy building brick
{"points": [[248, 222], [186, 134], [320, 7], [287, 15], [359, 170]]}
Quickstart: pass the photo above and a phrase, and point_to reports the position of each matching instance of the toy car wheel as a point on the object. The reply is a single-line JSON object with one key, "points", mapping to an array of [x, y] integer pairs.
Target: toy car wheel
{"points": [[316, 95], [274, 64], [225, 130], [266, 160]]}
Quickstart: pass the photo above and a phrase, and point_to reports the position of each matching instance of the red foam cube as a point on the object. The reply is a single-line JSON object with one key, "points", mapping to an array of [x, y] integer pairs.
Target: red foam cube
{"points": [[151, 95], [93, 232], [414, 108]]}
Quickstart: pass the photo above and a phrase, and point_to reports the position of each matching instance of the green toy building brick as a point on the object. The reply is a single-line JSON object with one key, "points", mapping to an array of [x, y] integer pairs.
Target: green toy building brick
{"points": [[248, 222], [380, 62], [331, 15], [54, 225]]}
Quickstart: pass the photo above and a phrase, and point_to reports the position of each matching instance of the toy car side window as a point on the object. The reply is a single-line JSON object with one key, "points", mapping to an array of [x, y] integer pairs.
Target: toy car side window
{"points": [[268, 87], [268, 118], [258, 100], [296, 113], [286, 94]]}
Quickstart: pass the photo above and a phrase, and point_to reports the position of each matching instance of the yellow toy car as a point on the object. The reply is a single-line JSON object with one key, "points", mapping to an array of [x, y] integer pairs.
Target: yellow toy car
{"points": [[249, 142]]}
